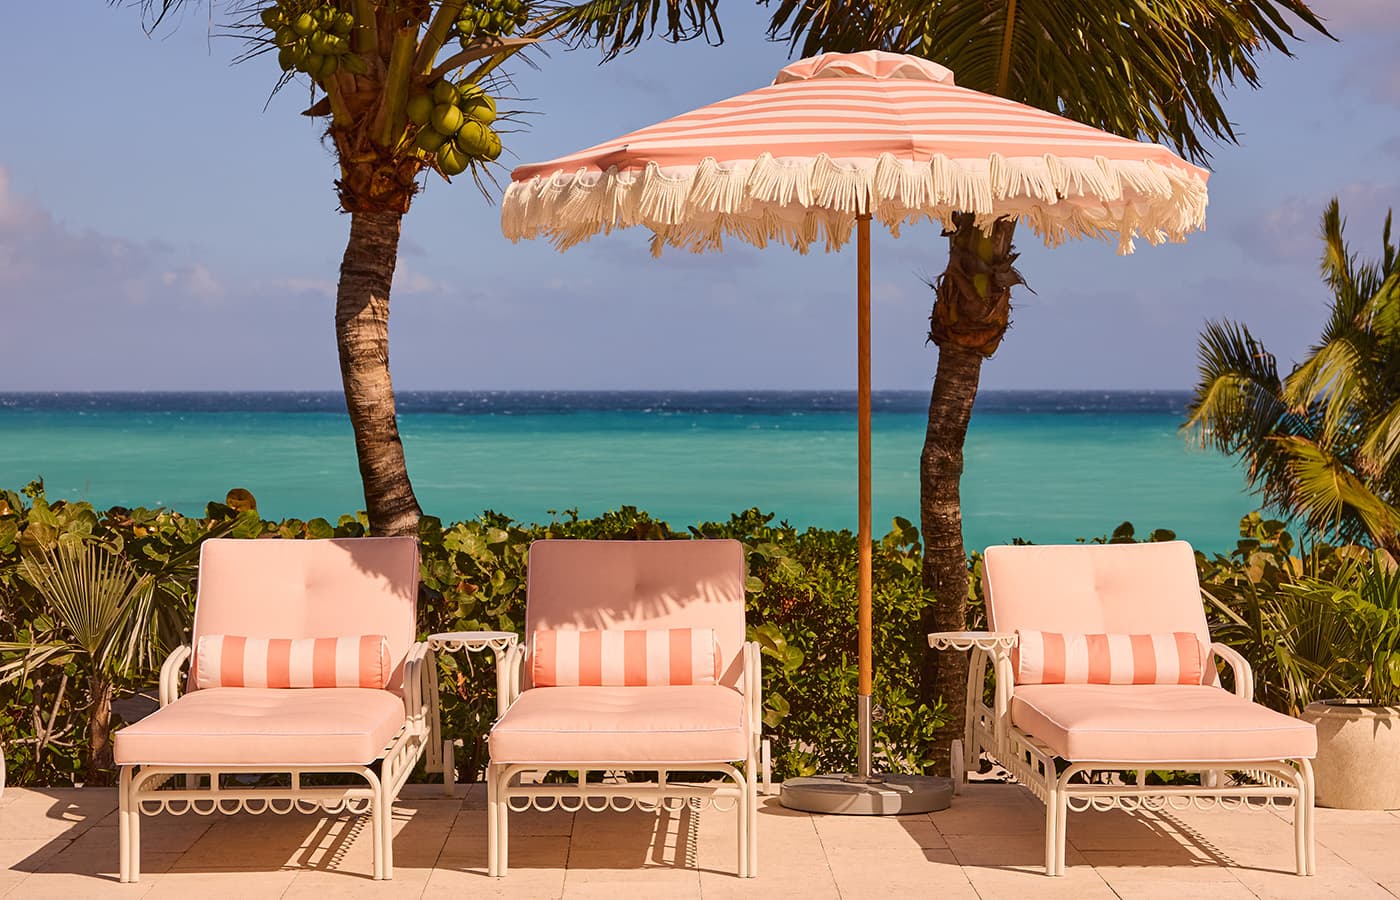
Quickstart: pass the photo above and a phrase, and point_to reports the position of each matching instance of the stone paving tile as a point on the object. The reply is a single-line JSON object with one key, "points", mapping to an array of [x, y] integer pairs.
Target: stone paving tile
{"points": [[228, 884], [900, 873], [989, 845]]}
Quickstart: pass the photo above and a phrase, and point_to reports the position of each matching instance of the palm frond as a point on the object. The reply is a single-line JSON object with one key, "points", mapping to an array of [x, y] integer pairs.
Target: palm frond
{"points": [[1332, 497], [91, 591], [1155, 69]]}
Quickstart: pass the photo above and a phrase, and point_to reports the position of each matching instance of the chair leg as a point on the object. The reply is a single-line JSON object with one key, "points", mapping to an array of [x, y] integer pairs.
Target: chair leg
{"points": [[1052, 819], [751, 811], [449, 766], [1061, 829], [1303, 819], [496, 824], [128, 830], [386, 834], [376, 817]]}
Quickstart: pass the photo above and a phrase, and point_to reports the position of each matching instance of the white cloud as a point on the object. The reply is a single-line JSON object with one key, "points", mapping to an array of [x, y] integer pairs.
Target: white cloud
{"points": [[1289, 232], [407, 281]]}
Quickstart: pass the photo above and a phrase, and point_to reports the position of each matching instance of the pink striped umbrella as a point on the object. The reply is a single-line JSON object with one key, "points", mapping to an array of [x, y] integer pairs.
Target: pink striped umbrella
{"points": [[836, 140]]}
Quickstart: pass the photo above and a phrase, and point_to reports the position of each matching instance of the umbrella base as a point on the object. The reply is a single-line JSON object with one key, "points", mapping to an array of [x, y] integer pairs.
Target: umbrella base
{"points": [[894, 795]]}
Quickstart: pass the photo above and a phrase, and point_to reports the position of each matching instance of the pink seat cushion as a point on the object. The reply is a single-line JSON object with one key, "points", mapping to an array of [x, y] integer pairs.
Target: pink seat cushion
{"points": [[1157, 723], [569, 726], [253, 726]]}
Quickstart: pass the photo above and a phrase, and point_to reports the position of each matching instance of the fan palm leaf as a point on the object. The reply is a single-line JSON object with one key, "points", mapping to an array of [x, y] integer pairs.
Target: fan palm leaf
{"points": [[1322, 444]]}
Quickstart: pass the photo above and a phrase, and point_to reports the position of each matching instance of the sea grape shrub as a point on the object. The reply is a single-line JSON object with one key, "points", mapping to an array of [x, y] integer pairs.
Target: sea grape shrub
{"points": [[801, 592]]}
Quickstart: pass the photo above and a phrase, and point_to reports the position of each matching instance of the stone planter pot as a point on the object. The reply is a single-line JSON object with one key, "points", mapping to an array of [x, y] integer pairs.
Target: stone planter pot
{"points": [[1358, 754]]}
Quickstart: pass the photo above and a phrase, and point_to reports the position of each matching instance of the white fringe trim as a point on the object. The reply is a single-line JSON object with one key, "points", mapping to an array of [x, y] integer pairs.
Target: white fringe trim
{"points": [[799, 202]]}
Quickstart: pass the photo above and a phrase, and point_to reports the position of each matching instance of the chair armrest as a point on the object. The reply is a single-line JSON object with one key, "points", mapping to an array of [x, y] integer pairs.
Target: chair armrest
{"points": [[1244, 675], [512, 663], [753, 687], [170, 674], [417, 668]]}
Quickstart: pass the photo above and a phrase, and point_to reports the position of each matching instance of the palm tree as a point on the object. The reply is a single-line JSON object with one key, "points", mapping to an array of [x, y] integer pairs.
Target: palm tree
{"points": [[1322, 444], [101, 609], [404, 86], [1153, 70]]}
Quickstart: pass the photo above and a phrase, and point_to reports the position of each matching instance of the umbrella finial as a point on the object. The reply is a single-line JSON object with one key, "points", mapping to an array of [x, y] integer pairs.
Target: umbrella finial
{"points": [[867, 64]]}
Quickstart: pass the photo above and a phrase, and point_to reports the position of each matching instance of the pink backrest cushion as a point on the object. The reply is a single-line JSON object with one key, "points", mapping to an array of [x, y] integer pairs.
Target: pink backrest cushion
{"points": [[230, 660], [343, 587], [1095, 589], [624, 657], [603, 585]]}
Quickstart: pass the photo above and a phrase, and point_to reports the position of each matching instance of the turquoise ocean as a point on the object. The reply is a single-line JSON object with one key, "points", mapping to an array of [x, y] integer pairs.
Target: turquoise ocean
{"points": [[1046, 466]]}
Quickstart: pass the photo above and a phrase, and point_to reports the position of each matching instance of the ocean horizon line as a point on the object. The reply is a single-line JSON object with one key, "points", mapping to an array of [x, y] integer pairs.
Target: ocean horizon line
{"points": [[756, 401]]}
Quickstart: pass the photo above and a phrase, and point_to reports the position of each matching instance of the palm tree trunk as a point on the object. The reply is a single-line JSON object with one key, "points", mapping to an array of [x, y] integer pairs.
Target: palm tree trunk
{"points": [[98, 764], [969, 318], [362, 336], [940, 521]]}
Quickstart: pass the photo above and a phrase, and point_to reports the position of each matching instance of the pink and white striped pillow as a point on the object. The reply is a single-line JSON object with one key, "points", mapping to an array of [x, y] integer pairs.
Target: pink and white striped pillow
{"points": [[1045, 657], [618, 658], [225, 660]]}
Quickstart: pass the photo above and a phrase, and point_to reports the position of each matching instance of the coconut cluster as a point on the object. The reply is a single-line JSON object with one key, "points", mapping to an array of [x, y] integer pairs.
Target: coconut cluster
{"points": [[492, 20], [312, 37], [454, 122]]}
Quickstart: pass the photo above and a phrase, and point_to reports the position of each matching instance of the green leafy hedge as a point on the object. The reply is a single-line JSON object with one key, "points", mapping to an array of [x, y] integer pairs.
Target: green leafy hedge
{"points": [[801, 608]]}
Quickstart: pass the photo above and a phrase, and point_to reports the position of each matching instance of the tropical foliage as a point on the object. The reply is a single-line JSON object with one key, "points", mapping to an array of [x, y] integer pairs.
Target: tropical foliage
{"points": [[1154, 70], [1323, 443], [407, 89], [473, 573]]}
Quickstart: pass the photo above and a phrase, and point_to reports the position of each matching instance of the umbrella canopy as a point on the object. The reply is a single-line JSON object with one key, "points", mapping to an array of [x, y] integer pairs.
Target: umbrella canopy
{"points": [[836, 140], [838, 135]]}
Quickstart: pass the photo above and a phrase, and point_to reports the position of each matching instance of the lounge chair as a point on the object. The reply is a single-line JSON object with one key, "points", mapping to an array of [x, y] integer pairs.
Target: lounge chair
{"points": [[1103, 664], [635, 660], [273, 616]]}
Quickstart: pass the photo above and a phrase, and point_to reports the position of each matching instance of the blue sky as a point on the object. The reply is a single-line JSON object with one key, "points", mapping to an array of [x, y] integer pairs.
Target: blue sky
{"points": [[160, 229]]}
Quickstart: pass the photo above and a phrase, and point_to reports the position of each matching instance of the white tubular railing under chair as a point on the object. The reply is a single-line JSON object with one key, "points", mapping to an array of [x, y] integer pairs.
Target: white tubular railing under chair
{"points": [[1065, 785], [739, 789], [144, 789]]}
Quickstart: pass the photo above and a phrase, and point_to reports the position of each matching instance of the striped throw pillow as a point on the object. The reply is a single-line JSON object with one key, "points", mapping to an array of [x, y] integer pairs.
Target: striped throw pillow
{"points": [[1045, 657], [225, 660], [624, 658]]}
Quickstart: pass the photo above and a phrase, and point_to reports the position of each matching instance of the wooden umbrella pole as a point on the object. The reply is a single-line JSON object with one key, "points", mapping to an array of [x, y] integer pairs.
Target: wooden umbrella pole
{"points": [[863, 534]]}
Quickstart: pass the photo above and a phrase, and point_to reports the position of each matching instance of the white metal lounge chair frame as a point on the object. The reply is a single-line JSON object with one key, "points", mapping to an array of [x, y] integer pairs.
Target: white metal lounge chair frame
{"points": [[503, 783], [142, 788], [989, 730]]}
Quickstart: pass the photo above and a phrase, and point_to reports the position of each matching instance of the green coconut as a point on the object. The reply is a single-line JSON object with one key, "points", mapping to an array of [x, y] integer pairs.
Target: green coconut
{"points": [[444, 92], [469, 91], [451, 160], [287, 59], [304, 24], [446, 119], [493, 150], [473, 139], [429, 140], [272, 16], [285, 37], [481, 107], [322, 42], [344, 24], [420, 109]]}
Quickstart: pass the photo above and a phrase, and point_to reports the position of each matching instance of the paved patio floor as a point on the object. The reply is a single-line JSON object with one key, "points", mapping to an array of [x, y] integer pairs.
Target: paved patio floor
{"points": [[63, 843]]}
